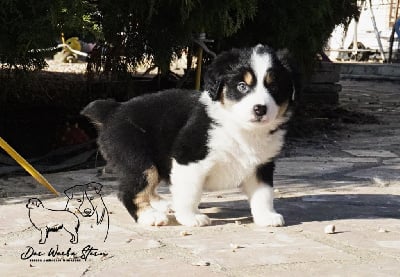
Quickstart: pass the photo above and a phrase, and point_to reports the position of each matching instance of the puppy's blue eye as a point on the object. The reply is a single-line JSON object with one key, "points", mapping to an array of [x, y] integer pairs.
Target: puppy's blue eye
{"points": [[242, 87]]}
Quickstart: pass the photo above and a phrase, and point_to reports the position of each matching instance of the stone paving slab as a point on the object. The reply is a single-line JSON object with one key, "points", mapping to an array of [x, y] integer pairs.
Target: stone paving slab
{"points": [[385, 172], [372, 153]]}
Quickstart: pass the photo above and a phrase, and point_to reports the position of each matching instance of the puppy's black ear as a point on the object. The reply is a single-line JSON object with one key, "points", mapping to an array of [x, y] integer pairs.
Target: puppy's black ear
{"points": [[288, 62], [218, 71], [215, 90]]}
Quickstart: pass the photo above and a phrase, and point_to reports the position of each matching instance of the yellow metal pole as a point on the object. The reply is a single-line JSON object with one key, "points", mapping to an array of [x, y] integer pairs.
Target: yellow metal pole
{"points": [[29, 168], [198, 68]]}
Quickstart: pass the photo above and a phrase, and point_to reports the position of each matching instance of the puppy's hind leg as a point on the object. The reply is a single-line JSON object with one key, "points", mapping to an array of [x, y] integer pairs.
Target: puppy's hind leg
{"points": [[137, 192], [160, 203], [126, 148]]}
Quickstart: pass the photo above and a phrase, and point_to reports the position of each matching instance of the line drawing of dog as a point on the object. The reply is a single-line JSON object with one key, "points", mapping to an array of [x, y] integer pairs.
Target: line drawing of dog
{"points": [[48, 220], [86, 201]]}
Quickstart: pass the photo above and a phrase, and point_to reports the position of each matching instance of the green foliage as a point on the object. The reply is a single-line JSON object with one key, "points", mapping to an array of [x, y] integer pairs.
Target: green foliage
{"points": [[28, 25], [301, 26], [155, 29], [76, 18], [158, 28], [23, 26]]}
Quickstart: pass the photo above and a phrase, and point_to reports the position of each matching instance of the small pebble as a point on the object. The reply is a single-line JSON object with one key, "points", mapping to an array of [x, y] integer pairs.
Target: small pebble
{"points": [[238, 222], [201, 263], [381, 230], [276, 190], [234, 246], [185, 233], [329, 229], [380, 182]]}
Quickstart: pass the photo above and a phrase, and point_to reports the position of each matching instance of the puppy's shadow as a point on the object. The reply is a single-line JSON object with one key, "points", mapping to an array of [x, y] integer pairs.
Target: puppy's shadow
{"points": [[307, 208]]}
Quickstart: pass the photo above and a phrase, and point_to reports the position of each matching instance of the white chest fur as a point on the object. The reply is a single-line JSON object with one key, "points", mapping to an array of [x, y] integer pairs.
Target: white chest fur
{"points": [[234, 151], [234, 156]]}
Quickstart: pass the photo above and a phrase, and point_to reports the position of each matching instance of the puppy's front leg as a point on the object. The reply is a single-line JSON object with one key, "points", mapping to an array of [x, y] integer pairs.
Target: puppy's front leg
{"points": [[187, 187], [259, 189]]}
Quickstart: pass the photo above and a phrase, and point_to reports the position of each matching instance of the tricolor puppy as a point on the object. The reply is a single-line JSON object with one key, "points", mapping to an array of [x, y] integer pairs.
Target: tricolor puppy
{"points": [[224, 137]]}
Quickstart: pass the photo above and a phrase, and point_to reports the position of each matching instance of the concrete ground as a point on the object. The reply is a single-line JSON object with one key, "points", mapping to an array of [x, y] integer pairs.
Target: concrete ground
{"points": [[349, 178]]}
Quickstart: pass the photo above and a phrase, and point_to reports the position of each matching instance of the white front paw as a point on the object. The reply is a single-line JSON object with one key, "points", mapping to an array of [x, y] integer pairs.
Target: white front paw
{"points": [[269, 219], [192, 219], [152, 217]]}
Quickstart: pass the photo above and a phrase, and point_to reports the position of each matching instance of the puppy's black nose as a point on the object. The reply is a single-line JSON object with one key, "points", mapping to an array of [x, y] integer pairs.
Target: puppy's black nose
{"points": [[87, 211], [260, 110]]}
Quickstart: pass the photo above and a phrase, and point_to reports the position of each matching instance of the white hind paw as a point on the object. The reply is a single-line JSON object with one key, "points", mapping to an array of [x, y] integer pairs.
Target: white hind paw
{"points": [[269, 219], [152, 217], [192, 219]]}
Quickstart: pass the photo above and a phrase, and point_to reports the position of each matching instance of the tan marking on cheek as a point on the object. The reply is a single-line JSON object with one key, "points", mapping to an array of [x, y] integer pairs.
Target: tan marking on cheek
{"points": [[225, 101], [269, 78], [223, 92], [283, 108], [143, 198], [248, 78]]}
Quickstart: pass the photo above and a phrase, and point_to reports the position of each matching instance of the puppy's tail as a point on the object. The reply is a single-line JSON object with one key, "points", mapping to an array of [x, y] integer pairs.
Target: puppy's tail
{"points": [[99, 111]]}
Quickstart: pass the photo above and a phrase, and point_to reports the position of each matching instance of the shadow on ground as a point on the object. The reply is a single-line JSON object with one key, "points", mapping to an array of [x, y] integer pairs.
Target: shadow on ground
{"points": [[308, 208]]}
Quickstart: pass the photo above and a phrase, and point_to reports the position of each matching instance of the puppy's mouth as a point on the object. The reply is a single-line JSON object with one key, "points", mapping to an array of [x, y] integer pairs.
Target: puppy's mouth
{"points": [[260, 119]]}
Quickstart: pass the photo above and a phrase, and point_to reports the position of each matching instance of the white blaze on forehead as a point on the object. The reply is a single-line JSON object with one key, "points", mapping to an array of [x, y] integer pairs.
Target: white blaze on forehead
{"points": [[260, 63]]}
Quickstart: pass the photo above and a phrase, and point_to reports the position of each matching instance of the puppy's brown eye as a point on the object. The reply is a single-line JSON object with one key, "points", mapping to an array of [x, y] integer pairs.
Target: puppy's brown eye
{"points": [[242, 87]]}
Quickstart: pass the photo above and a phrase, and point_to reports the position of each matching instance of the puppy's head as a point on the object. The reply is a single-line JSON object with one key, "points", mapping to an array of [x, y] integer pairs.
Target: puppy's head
{"points": [[34, 203], [255, 85]]}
